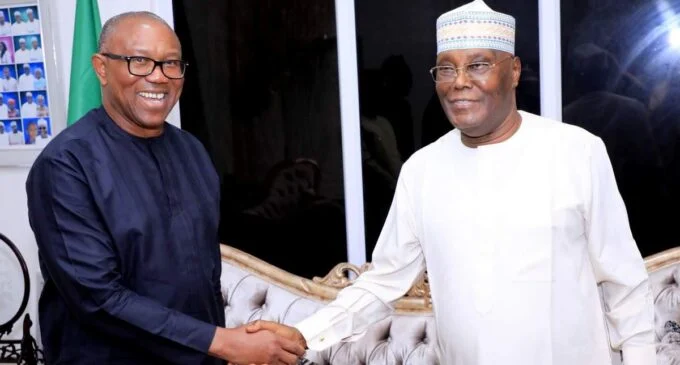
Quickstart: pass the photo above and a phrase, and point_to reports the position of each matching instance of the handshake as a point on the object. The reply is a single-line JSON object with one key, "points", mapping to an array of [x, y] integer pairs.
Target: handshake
{"points": [[259, 342]]}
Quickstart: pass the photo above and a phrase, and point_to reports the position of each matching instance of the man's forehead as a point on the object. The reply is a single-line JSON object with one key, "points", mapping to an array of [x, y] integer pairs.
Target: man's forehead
{"points": [[141, 32], [467, 54]]}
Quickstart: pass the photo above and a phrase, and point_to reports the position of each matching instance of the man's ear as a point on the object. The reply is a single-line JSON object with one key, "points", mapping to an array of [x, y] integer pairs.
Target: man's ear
{"points": [[99, 66], [516, 71]]}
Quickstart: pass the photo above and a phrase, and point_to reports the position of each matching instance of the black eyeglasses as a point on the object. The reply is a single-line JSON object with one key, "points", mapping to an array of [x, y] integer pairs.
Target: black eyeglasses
{"points": [[144, 66]]}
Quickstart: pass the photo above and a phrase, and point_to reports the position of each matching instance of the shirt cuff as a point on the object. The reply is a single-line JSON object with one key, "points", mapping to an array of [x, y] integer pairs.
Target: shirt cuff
{"points": [[321, 333], [202, 337], [639, 355]]}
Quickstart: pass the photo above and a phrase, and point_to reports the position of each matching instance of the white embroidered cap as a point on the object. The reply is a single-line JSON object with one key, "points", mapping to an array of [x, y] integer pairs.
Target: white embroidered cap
{"points": [[475, 25]]}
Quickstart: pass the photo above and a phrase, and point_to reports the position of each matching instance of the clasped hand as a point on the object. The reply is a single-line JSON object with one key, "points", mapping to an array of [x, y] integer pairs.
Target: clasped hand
{"points": [[259, 342]]}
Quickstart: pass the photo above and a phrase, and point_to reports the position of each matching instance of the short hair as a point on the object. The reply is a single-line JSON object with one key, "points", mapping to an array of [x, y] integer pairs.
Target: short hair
{"points": [[110, 25]]}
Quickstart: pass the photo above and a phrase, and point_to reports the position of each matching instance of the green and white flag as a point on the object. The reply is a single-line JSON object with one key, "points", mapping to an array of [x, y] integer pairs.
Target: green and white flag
{"points": [[84, 91]]}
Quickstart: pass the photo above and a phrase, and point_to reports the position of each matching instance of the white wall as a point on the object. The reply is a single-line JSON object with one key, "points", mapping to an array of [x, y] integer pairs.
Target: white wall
{"points": [[13, 206]]}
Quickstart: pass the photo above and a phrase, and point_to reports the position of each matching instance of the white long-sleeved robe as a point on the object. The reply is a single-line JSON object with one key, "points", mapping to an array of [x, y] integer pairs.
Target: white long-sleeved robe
{"points": [[516, 237]]}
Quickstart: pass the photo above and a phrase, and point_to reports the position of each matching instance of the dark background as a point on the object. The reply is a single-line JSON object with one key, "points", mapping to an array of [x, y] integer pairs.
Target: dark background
{"points": [[262, 95], [621, 82]]}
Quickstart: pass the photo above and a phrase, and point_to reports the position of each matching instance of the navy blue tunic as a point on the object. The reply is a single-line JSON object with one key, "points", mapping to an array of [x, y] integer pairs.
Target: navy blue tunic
{"points": [[127, 237]]}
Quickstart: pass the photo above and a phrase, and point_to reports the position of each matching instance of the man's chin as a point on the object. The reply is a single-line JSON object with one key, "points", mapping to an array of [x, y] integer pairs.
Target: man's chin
{"points": [[152, 120], [467, 124], [153, 125]]}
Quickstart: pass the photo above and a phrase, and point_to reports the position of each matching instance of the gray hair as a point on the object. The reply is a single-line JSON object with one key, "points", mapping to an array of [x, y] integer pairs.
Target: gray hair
{"points": [[109, 27]]}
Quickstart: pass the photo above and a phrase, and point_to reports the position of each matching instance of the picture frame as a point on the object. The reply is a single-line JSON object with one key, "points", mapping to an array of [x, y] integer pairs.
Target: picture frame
{"points": [[32, 108]]}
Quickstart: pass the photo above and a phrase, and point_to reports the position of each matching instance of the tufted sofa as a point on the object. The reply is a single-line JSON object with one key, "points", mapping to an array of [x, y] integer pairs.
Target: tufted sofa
{"points": [[253, 289]]}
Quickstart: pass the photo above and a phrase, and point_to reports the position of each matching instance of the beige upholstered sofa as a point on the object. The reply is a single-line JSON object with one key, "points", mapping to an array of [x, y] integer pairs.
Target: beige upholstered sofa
{"points": [[253, 290]]}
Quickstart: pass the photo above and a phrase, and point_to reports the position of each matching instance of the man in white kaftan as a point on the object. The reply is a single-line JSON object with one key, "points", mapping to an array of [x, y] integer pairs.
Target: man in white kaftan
{"points": [[5, 26], [517, 219], [16, 137], [29, 108], [7, 82], [32, 25], [22, 54], [516, 236], [4, 137], [26, 80]]}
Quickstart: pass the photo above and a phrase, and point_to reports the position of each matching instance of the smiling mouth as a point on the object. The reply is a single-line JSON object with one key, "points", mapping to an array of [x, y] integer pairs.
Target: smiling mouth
{"points": [[462, 102], [152, 96]]}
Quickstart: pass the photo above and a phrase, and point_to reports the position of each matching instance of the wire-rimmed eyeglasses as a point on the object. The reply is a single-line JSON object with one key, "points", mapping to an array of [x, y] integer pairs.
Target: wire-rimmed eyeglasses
{"points": [[474, 71]]}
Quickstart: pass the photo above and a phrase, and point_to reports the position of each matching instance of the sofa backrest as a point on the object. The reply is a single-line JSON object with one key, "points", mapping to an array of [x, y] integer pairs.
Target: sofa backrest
{"points": [[254, 289]]}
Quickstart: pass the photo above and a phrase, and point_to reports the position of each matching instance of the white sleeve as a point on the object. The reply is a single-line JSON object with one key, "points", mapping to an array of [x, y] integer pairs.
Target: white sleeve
{"points": [[398, 261], [618, 265]]}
